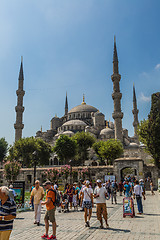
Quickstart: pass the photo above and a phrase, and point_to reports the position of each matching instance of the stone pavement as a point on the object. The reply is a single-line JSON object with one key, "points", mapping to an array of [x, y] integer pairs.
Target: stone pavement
{"points": [[71, 225]]}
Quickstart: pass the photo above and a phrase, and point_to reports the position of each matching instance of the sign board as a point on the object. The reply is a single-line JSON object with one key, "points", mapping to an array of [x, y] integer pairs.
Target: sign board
{"points": [[109, 177], [128, 207], [159, 184], [19, 188]]}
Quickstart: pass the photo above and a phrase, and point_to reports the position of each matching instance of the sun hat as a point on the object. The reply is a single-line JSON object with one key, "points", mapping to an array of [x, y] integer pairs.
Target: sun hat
{"points": [[87, 182], [47, 183], [99, 181]]}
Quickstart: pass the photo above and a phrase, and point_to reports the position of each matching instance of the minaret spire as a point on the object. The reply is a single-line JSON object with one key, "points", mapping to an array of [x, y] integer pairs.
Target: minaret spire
{"points": [[135, 114], [66, 105], [117, 95], [19, 108], [115, 58]]}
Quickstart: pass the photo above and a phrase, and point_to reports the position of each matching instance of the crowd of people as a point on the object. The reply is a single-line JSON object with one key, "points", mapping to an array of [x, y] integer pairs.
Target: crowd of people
{"points": [[78, 196]]}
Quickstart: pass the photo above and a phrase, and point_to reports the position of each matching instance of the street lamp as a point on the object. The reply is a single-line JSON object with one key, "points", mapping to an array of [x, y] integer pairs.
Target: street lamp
{"points": [[34, 161], [70, 161]]}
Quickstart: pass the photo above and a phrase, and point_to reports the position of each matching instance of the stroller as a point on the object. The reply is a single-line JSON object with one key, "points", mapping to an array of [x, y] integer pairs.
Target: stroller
{"points": [[65, 203]]}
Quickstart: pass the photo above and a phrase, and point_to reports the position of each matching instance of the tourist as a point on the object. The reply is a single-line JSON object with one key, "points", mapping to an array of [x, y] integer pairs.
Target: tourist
{"points": [[38, 194], [108, 187], [87, 198], [50, 212], [69, 192], [120, 187], [32, 201], [127, 189], [114, 188], [55, 186], [12, 193], [138, 193], [151, 187], [100, 193], [7, 213]]}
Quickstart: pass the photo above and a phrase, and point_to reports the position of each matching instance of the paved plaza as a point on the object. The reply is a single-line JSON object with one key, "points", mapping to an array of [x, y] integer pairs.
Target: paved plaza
{"points": [[71, 225]]}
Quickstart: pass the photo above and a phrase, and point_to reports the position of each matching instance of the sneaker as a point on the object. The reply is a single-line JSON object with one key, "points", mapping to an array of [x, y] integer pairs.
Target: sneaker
{"points": [[38, 223], [45, 236], [52, 237], [35, 222]]}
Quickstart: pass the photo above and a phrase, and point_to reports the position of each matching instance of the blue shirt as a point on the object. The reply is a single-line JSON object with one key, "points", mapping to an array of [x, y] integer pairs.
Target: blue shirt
{"points": [[8, 208], [127, 187]]}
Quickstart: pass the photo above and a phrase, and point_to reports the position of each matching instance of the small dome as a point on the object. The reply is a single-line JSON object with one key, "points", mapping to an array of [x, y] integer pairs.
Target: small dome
{"points": [[83, 108], [68, 133], [74, 122], [106, 131], [133, 145]]}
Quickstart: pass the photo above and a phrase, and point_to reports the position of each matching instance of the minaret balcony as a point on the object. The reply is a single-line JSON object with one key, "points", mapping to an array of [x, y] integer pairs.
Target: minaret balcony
{"points": [[116, 77], [18, 125], [20, 92], [116, 95], [19, 109], [116, 115]]}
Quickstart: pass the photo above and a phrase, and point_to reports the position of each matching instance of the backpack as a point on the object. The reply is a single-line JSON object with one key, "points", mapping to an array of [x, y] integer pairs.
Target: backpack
{"points": [[57, 198]]}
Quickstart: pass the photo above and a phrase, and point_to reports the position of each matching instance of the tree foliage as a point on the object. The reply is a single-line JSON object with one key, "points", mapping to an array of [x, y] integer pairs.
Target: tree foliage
{"points": [[109, 150], [84, 141], [65, 148], [149, 130], [3, 148], [11, 170], [24, 148]]}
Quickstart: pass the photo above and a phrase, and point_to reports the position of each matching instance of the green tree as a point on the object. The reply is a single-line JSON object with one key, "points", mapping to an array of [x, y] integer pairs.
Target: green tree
{"points": [[110, 150], [84, 141], [149, 130], [3, 148], [11, 170], [65, 148], [96, 146], [32, 152]]}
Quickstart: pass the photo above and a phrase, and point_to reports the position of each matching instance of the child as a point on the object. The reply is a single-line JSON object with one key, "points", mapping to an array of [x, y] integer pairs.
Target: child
{"points": [[75, 202]]}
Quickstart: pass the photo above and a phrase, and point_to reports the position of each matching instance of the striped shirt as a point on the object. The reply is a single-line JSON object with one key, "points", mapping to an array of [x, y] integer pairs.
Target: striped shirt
{"points": [[8, 208]]}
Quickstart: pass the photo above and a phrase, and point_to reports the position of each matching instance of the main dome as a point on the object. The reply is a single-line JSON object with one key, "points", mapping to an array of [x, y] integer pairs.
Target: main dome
{"points": [[83, 108]]}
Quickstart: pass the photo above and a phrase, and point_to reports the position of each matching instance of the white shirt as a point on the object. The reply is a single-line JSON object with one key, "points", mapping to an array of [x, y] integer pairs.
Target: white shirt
{"points": [[87, 193], [55, 186], [101, 192], [138, 190]]}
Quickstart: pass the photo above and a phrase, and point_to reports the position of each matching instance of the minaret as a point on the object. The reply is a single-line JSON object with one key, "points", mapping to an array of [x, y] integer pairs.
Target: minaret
{"points": [[116, 95], [135, 114], [66, 105], [19, 108]]}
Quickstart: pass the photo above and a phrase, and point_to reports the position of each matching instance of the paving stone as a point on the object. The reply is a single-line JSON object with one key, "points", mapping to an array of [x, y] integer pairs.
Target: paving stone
{"points": [[71, 225]]}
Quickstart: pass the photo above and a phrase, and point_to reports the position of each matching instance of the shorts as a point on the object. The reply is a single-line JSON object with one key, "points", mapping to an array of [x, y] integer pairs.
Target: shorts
{"points": [[87, 204], [50, 215]]}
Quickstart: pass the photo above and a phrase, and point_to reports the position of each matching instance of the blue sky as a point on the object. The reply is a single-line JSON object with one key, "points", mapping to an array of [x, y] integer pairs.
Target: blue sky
{"points": [[67, 45]]}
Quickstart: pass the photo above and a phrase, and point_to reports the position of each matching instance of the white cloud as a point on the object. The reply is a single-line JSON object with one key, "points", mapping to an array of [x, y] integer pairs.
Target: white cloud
{"points": [[157, 67], [144, 98]]}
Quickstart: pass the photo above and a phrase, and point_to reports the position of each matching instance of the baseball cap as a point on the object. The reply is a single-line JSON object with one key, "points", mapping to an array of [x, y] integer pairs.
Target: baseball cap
{"points": [[99, 181], [47, 183]]}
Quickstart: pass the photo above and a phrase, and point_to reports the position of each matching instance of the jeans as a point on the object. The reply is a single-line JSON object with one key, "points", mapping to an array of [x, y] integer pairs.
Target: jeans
{"points": [[139, 204]]}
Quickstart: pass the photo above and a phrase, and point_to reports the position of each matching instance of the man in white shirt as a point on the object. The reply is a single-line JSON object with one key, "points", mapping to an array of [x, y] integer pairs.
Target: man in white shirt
{"points": [[87, 197], [38, 194], [100, 193], [138, 193]]}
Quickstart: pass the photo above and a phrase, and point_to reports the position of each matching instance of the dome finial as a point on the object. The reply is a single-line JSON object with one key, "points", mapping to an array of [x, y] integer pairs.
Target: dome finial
{"points": [[83, 99]]}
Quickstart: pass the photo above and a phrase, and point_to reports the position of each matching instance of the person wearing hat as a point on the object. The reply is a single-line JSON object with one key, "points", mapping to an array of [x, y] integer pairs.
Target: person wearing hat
{"points": [[12, 193], [100, 194], [50, 212], [87, 197], [38, 194]]}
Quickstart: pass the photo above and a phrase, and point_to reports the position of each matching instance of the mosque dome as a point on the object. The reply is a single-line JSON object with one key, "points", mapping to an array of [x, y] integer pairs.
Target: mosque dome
{"points": [[83, 108], [75, 123], [106, 131], [133, 145], [68, 133]]}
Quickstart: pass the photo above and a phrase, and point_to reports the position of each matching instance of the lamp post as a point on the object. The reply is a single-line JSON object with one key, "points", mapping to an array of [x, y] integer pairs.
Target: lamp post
{"points": [[34, 165], [70, 161]]}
